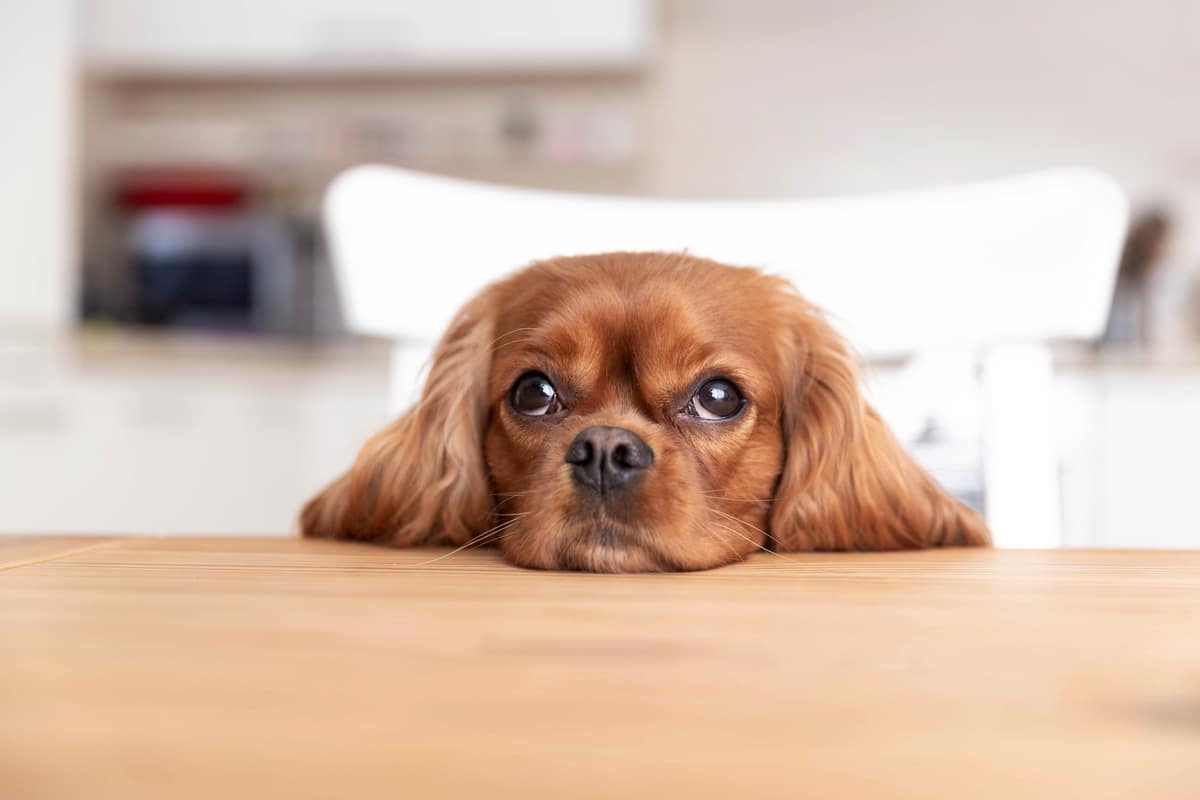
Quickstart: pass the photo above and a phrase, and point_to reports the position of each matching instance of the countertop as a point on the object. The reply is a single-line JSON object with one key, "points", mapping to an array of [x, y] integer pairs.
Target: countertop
{"points": [[228, 667]]}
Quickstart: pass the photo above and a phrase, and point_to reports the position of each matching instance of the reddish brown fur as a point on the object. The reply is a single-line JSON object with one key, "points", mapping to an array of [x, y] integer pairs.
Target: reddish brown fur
{"points": [[625, 337]]}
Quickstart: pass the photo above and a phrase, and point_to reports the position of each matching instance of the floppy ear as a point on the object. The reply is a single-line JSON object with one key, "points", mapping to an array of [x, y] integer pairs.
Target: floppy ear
{"points": [[422, 479], [847, 484]]}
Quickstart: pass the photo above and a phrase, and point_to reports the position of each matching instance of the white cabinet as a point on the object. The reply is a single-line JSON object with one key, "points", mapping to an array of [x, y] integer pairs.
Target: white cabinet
{"points": [[37, 204], [235, 36], [1129, 435]]}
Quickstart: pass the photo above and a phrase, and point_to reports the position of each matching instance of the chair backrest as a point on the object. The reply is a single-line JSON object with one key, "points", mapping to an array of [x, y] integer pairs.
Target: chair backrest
{"points": [[1028, 258]]}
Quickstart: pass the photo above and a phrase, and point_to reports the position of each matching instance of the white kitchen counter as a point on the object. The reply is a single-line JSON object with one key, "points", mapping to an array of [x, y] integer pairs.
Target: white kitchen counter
{"points": [[177, 434]]}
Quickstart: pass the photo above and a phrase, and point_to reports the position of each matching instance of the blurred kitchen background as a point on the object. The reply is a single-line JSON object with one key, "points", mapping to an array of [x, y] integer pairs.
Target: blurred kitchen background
{"points": [[172, 358]]}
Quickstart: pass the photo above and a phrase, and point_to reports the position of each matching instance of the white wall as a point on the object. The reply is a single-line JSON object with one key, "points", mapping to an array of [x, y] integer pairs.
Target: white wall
{"points": [[820, 96], [788, 97], [37, 192]]}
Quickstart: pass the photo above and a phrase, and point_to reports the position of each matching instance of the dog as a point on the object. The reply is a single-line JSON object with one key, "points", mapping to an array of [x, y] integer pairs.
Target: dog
{"points": [[640, 412]]}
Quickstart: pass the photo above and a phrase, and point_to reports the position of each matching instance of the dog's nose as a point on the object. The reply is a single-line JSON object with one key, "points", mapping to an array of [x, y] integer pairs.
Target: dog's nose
{"points": [[604, 458]]}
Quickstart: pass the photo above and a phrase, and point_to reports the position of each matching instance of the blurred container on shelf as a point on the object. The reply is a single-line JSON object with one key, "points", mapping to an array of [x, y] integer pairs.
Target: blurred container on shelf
{"points": [[196, 248], [1131, 319], [268, 101]]}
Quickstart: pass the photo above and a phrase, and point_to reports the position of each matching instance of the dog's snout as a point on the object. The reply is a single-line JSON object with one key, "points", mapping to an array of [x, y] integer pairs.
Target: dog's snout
{"points": [[604, 458]]}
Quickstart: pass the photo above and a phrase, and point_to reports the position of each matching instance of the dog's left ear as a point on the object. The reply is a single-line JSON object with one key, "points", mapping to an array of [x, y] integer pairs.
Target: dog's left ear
{"points": [[422, 480], [847, 484]]}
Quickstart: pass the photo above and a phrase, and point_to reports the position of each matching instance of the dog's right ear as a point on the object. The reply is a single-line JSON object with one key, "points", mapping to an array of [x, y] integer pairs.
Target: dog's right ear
{"points": [[422, 480]]}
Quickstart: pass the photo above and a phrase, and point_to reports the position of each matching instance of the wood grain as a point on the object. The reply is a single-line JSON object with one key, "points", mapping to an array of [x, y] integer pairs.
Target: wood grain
{"points": [[251, 667], [19, 551]]}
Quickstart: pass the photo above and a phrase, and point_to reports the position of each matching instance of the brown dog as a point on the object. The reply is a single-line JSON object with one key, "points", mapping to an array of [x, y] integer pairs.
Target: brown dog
{"points": [[635, 412]]}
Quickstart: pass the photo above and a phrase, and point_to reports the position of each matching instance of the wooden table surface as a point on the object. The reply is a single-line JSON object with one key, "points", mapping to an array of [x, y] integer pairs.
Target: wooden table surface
{"points": [[282, 668]]}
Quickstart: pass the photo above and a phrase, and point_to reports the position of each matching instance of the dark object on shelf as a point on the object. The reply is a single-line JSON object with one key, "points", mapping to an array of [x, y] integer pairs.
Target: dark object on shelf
{"points": [[1129, 319], [196, 249], [194, 269]]}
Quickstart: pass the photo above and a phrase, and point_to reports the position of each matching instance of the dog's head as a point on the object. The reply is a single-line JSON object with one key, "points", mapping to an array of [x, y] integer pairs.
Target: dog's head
{"points": [[640, 411]]}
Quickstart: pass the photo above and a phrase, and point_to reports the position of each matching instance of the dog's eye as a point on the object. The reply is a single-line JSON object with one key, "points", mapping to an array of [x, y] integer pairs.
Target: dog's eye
{"points": [[533, 395], [715, 399]]}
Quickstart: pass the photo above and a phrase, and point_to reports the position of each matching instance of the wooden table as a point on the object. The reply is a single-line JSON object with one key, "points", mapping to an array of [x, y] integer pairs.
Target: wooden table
{"points": [[282, 668]]}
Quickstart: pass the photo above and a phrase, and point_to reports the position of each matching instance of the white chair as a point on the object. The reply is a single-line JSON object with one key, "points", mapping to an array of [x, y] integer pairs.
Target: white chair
{"points": [[993, 272]]}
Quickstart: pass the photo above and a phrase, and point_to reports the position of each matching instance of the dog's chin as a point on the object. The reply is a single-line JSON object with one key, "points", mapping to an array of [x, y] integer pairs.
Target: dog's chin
{"points": [[598, 544], [598, 552], [586, 543], [604, 547]]}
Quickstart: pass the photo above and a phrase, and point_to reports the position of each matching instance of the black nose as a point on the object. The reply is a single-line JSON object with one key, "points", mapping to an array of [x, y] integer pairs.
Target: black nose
{"points": [[604, 458]]}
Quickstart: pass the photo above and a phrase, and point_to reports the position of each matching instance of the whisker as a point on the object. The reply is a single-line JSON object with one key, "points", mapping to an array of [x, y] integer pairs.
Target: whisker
{"points": [[476, 542], [497, 346], [495, 532], [509, 496], [748, 539], [731, 548], [715, 496], [741, 521], [510, 333]]}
